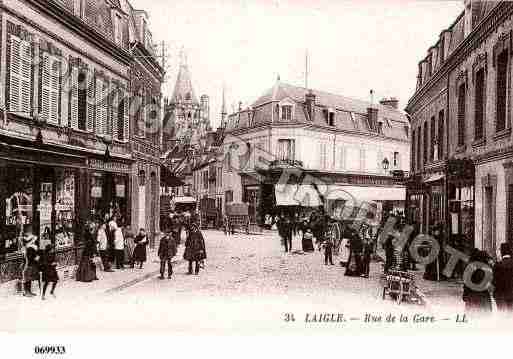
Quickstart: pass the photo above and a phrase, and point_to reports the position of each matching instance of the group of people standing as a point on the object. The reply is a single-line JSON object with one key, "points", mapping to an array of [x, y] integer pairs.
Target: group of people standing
{"points": [[108, 244], [356, 246]]}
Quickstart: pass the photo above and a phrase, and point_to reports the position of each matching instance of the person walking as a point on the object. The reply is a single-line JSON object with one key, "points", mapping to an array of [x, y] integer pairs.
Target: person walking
{"points": [[119, 247], [129, 246], [307, 237], [86, 271], [503, 279], [366, 257], [477, 301], [167, 250], [141, 242], [101, 237], [111, 228], [30, 268], [49, 270], [354, 266], [328, 250], [195, 250]]}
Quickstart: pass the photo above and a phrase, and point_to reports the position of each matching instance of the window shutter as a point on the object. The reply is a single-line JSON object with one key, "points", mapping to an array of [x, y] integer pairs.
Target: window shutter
{"points": [[15, 76], [55, 94], [73, 118], [45, 88], [101, 107], [26, 76], [91, 86]]}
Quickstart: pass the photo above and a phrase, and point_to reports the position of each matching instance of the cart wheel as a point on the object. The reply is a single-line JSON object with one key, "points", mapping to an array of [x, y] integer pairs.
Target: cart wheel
{"points": [[335, 233]]}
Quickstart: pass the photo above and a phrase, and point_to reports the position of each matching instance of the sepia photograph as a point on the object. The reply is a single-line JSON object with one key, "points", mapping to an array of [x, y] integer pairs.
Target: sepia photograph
{"points": [[255, 167]]}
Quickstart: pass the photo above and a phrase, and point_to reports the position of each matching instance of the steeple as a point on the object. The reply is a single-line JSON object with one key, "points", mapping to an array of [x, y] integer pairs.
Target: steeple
{"points": [[223, 110], [183, 91]]}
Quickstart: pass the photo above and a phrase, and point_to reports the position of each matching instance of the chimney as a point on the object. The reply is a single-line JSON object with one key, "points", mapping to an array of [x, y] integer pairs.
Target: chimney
{"points": [[310, 104], [372, 116], [391, 102]]}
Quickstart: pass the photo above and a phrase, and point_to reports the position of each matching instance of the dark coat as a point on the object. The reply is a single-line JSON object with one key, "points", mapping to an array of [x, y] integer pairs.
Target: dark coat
{"points": [[86, 271], [503, 279], [167, 248], [140, 248], [195, 247], [48, 269]]}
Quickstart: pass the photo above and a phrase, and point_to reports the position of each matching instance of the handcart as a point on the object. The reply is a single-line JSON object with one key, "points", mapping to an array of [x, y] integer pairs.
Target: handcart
{"points": [[401, 287]]}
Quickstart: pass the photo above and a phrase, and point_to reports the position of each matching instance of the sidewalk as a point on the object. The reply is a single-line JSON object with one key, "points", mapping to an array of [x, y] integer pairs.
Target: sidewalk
{"points": [[108, 282]]}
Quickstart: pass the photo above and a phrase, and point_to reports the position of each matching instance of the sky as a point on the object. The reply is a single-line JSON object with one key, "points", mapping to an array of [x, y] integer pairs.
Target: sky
{"points": [[353, 46]]}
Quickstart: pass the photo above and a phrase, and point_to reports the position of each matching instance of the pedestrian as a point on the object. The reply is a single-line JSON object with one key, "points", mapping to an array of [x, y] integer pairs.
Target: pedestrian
{"points": [[102, 240], [226, 225], [366, 258], [307, 238], [285, 230], [328, 245], [49, 270], [477, 301], [129, 247], [111, 228], [119, 247], [86, 271], [141, 242], [30, 267], [354, 266], [167, 250], [503, 279], [195, 248]]}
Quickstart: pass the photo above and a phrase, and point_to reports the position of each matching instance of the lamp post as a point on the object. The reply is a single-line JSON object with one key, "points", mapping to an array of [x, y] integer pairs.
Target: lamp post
{"points": [[107, 140]]}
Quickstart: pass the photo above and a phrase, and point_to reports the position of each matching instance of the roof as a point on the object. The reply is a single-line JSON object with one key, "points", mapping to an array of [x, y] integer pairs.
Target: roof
{"points": [[281, 91], [183, 87]]}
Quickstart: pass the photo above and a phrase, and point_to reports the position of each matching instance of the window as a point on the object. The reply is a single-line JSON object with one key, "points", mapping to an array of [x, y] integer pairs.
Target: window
{"points": [[286, 150], [101, 106], [121, 120], [49, 87], [433, 139], [479, 105], [341, 157], [441, 135], [323, 153], [331, 118], [228, 197], [286, 113], [82, 102], [139, 117], [396, 160], [462, 99], [20, 76], [118, 30], [426, 144], [419, 147], [502, 83], [413, 149]]}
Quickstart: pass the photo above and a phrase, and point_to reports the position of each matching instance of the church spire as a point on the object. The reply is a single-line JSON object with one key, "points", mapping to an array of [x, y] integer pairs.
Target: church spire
{"points": [[183, 91], [223, 109]]}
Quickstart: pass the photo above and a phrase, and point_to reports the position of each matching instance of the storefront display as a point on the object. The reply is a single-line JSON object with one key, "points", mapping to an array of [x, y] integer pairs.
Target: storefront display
{"points": [[65, 209], [109, 193]]}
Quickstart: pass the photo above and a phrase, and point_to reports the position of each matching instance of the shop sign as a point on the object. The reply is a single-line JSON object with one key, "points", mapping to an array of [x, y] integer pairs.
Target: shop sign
{"points": [[96, 192], [45, 212]]}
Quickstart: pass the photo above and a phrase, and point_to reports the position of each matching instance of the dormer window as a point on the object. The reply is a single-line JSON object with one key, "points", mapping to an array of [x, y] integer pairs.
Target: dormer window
{"points": [[331, 118], [286, 112]]}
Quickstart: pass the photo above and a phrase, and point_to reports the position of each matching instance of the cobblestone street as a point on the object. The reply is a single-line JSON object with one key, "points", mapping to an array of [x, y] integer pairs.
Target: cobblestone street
{"points": [[247, 278]]}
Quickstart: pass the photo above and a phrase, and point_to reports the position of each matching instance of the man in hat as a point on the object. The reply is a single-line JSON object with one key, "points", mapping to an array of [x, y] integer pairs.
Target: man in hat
{"points": [[30, 268], [502, 279]]}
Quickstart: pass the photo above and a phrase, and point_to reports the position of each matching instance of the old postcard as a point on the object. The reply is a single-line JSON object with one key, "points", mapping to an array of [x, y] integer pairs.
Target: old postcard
{"points": [[255, 167]]}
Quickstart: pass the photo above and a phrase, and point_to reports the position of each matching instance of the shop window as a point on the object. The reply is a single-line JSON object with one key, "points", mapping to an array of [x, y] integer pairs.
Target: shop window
{"points": [[65, 209], [16, 196]]}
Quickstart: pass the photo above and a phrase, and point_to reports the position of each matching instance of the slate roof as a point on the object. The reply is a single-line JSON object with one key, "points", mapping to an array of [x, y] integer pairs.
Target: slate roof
{"points": [[183, 87]]}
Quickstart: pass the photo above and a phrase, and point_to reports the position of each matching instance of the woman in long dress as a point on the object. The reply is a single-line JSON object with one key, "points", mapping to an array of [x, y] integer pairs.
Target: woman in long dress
{"points": [[141, 241], [86, 271], [354, 265], [195, 248], [129, 246], [307, 240]]}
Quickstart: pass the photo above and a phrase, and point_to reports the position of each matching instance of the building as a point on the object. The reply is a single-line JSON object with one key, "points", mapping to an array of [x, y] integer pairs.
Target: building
{"points": [[461, 130], [187, 120], [65, 127], [353, 145]]}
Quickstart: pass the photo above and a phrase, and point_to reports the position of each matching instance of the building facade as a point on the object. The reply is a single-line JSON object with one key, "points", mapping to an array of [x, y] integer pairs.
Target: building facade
{"points": [[65, 124], [461, 127], [352, 145]]}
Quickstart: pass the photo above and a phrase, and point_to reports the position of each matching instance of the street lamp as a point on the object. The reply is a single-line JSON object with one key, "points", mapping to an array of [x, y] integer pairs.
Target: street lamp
{"points": [[107, 140]]}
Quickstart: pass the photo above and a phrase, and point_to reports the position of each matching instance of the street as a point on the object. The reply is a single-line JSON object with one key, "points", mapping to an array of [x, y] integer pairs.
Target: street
{"points": [[248, 284]]}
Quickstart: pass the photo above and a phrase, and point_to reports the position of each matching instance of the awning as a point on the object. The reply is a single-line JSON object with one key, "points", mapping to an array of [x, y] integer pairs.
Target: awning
{"points": [[296, 195], [168, 179], [434, 177], [366, 193]]}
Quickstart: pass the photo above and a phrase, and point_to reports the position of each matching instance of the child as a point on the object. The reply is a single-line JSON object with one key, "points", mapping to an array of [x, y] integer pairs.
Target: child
{"points": [[328, 250], [48, 267]]}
